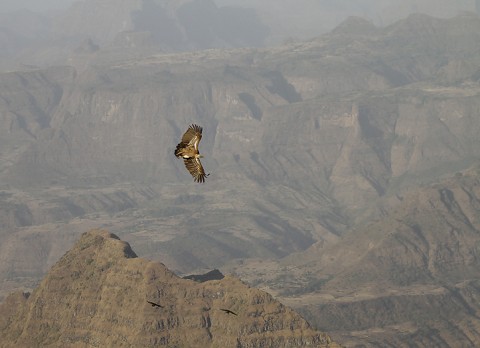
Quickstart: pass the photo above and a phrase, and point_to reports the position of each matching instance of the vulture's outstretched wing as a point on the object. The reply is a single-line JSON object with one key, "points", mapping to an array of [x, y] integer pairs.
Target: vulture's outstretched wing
{"points": [[192, 136], [194, 166]]}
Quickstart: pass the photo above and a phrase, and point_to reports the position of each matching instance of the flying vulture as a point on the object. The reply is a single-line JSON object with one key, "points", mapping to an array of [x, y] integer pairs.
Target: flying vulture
{"points": [[188, 150], [155, 304], [228, 311]]}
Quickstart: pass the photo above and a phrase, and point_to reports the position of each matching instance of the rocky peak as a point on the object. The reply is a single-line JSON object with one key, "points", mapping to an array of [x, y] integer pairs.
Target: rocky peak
{"points": [[173, 24], [212, 275], [97, 294], [354, 25]]}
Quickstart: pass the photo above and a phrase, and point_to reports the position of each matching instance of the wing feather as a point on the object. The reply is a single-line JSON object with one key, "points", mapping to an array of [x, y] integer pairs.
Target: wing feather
{"points": [[193, 135], [194, 166]]}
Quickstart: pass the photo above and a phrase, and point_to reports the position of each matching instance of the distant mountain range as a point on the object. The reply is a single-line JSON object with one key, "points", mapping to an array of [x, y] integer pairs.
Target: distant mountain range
{"points": [[143, 26]]}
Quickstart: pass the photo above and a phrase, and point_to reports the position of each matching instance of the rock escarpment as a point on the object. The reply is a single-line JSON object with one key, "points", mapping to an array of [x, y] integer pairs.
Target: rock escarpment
{"points": [[97, 295]]}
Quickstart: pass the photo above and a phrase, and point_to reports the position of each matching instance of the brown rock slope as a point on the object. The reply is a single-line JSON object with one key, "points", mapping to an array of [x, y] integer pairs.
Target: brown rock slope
{"points": [[410, 279], [96, 295]]}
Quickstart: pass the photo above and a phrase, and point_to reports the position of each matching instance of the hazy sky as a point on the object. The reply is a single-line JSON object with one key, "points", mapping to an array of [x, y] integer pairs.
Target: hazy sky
{"points": [[34, 5], [354, 6]]}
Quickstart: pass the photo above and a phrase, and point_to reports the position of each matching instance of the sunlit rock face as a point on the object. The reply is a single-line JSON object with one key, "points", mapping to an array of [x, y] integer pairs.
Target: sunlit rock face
{"points": [[98, 292]]}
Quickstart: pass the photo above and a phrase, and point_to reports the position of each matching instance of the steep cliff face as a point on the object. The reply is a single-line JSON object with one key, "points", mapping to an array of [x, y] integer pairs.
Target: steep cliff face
{"points": [[97, 294], [29, 100], [129, 121], [120, 122]]}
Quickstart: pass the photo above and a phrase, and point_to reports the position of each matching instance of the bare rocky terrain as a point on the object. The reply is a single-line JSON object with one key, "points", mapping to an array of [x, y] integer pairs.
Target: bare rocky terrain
{"points": [[344, 170], [97, 293], [410, 276]]}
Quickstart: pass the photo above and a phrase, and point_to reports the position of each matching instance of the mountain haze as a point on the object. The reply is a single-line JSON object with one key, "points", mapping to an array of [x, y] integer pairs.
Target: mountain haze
{"points": [[141, 27]]}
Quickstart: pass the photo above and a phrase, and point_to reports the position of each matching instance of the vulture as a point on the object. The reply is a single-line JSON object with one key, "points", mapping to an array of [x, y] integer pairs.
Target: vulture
{"points": [[188, 150], [155, 304], [228, 311]]}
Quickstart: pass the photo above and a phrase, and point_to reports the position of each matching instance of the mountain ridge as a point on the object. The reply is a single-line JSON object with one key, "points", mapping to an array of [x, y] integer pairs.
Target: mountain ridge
{"points": [[97, 294], [380, 280]]}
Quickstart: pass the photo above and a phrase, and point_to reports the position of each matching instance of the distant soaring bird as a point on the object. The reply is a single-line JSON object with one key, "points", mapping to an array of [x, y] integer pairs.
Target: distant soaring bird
{"points": [[155, 304], [228, 311], [188, 150]]}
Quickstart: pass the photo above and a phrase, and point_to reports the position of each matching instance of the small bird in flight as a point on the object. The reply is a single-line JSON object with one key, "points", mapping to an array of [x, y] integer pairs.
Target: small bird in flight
{"points": [[228, 311], [188, 150], [155, 304]]}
